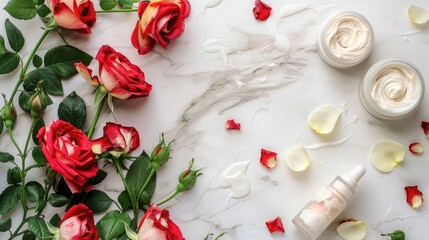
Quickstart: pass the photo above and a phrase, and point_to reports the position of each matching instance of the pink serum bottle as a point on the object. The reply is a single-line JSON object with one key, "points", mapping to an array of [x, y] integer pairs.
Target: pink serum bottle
{"points": [[319, 213]]}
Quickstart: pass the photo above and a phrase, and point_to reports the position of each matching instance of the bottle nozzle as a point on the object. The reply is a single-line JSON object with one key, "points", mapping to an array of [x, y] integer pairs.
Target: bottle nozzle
{"points": [[353, 177]]}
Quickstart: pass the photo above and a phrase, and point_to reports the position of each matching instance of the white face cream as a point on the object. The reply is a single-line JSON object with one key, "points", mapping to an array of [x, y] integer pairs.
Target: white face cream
{"points": [[392, 89], [345, 39]]}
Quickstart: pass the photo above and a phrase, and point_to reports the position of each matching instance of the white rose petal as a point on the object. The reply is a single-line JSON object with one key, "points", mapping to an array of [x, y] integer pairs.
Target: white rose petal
{"points": [[324, 118], [297, 158], [386, 155], [352, 230], [418, 15]]}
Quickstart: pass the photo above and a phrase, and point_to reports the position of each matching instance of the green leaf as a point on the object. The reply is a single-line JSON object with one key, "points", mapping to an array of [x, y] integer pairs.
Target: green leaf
{"points": [[24, 97], [37, 61], [21, 9], [47, 78], [57, 200], [43, 10], [34, 191], [101, 175], [13, 176], [9, 198], [127, 4], [112, 225], [97, 201], [55, 220], [28, 235], [73, 110], [38, 2], [38, 156], [6, 157], [108, 4], [125, 201], [39, 124], [38, 226], [8, 62], [14, 35], [5, 224], [136, 176], [61, 59], [3, 49]]}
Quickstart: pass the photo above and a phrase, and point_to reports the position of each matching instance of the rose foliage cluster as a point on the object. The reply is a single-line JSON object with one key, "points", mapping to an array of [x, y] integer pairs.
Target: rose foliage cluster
{"points": [[71, 158]]}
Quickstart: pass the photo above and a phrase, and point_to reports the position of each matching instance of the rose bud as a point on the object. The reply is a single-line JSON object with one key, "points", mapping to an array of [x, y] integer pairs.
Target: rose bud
{"points": [[160, 154], [116, 140], [75, 15], [77, 223], [37, 104], [8, 114], [188, 178]]}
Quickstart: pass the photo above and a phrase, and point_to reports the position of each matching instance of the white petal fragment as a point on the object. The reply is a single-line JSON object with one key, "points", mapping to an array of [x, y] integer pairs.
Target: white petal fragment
{"points": [[418, 15], [324, 118], [354, 230], [297, 158], [386, 155]]}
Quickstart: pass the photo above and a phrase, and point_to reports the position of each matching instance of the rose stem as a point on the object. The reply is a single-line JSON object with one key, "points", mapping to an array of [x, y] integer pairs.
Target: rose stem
{"points": [[117, 10], [96, 117], [169, 198]]}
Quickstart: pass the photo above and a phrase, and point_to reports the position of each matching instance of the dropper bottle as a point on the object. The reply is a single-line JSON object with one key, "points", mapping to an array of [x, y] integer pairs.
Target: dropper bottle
{"points": [[331, 200]]}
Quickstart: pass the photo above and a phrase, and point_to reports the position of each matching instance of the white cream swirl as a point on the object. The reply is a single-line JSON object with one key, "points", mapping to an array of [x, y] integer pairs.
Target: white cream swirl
{"points": [[349, 37], [396, 88]]}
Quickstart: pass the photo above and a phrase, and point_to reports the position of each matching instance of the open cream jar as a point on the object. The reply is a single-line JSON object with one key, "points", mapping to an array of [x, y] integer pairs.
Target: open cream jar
{"points": [[345, 39], [392, 88]]}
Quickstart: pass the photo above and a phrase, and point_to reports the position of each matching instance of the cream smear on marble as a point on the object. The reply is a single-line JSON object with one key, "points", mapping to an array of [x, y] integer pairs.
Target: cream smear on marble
{"points": [[235, 178], [293, 9]]}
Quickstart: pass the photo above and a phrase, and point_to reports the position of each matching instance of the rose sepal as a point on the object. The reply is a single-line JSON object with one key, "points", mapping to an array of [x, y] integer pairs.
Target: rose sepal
{"points": [[55, 232], [130, 233]]}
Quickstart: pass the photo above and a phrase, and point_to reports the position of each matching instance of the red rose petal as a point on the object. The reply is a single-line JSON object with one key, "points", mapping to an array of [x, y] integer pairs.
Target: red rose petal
{"points": [[414, 196], [268, 158], [232, 125], [416, 148], [275, 225], [261, 10], [425, 126]]}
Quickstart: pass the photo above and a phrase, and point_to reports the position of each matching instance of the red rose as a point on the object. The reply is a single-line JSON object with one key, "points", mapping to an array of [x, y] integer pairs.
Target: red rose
{"points": [[68, 151], [118, 75], [157, 225], [78, 223], [78, 15], [117, 140], [160, 21]]}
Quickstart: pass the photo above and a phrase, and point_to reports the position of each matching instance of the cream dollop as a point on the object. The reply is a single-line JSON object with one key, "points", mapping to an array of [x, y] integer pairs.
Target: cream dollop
{"points": [[349, 37], [396, 88]]}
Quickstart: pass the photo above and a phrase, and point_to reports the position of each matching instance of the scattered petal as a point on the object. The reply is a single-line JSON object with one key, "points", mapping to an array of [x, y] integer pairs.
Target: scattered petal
{"points": [[386, 155], [297, 158], [232, 125], [268, 158], [416, 148], [352, 230], [414, 196], [275, 225], [418, 15], [324, 118], [261, 10], [425, 126]]}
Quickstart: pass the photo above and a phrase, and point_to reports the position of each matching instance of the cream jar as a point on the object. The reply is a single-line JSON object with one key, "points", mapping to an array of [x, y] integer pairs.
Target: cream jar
{"points": [[392, 89], [345, 39]]}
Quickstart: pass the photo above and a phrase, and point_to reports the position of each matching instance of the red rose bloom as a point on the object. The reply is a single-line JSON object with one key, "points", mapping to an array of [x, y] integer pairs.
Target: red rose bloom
{"points": [[117, 140], [118, 75], [78, 15], [78, 224], [160, 21], [68, 151], [157, 225]]}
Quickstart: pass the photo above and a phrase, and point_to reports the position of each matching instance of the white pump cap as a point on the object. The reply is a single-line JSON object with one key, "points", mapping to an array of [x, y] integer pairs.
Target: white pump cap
{"points": [[353, 177]]}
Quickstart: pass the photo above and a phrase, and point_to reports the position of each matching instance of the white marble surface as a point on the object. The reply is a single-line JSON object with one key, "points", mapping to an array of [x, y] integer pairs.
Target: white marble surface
{"points": [[226, 65]]}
